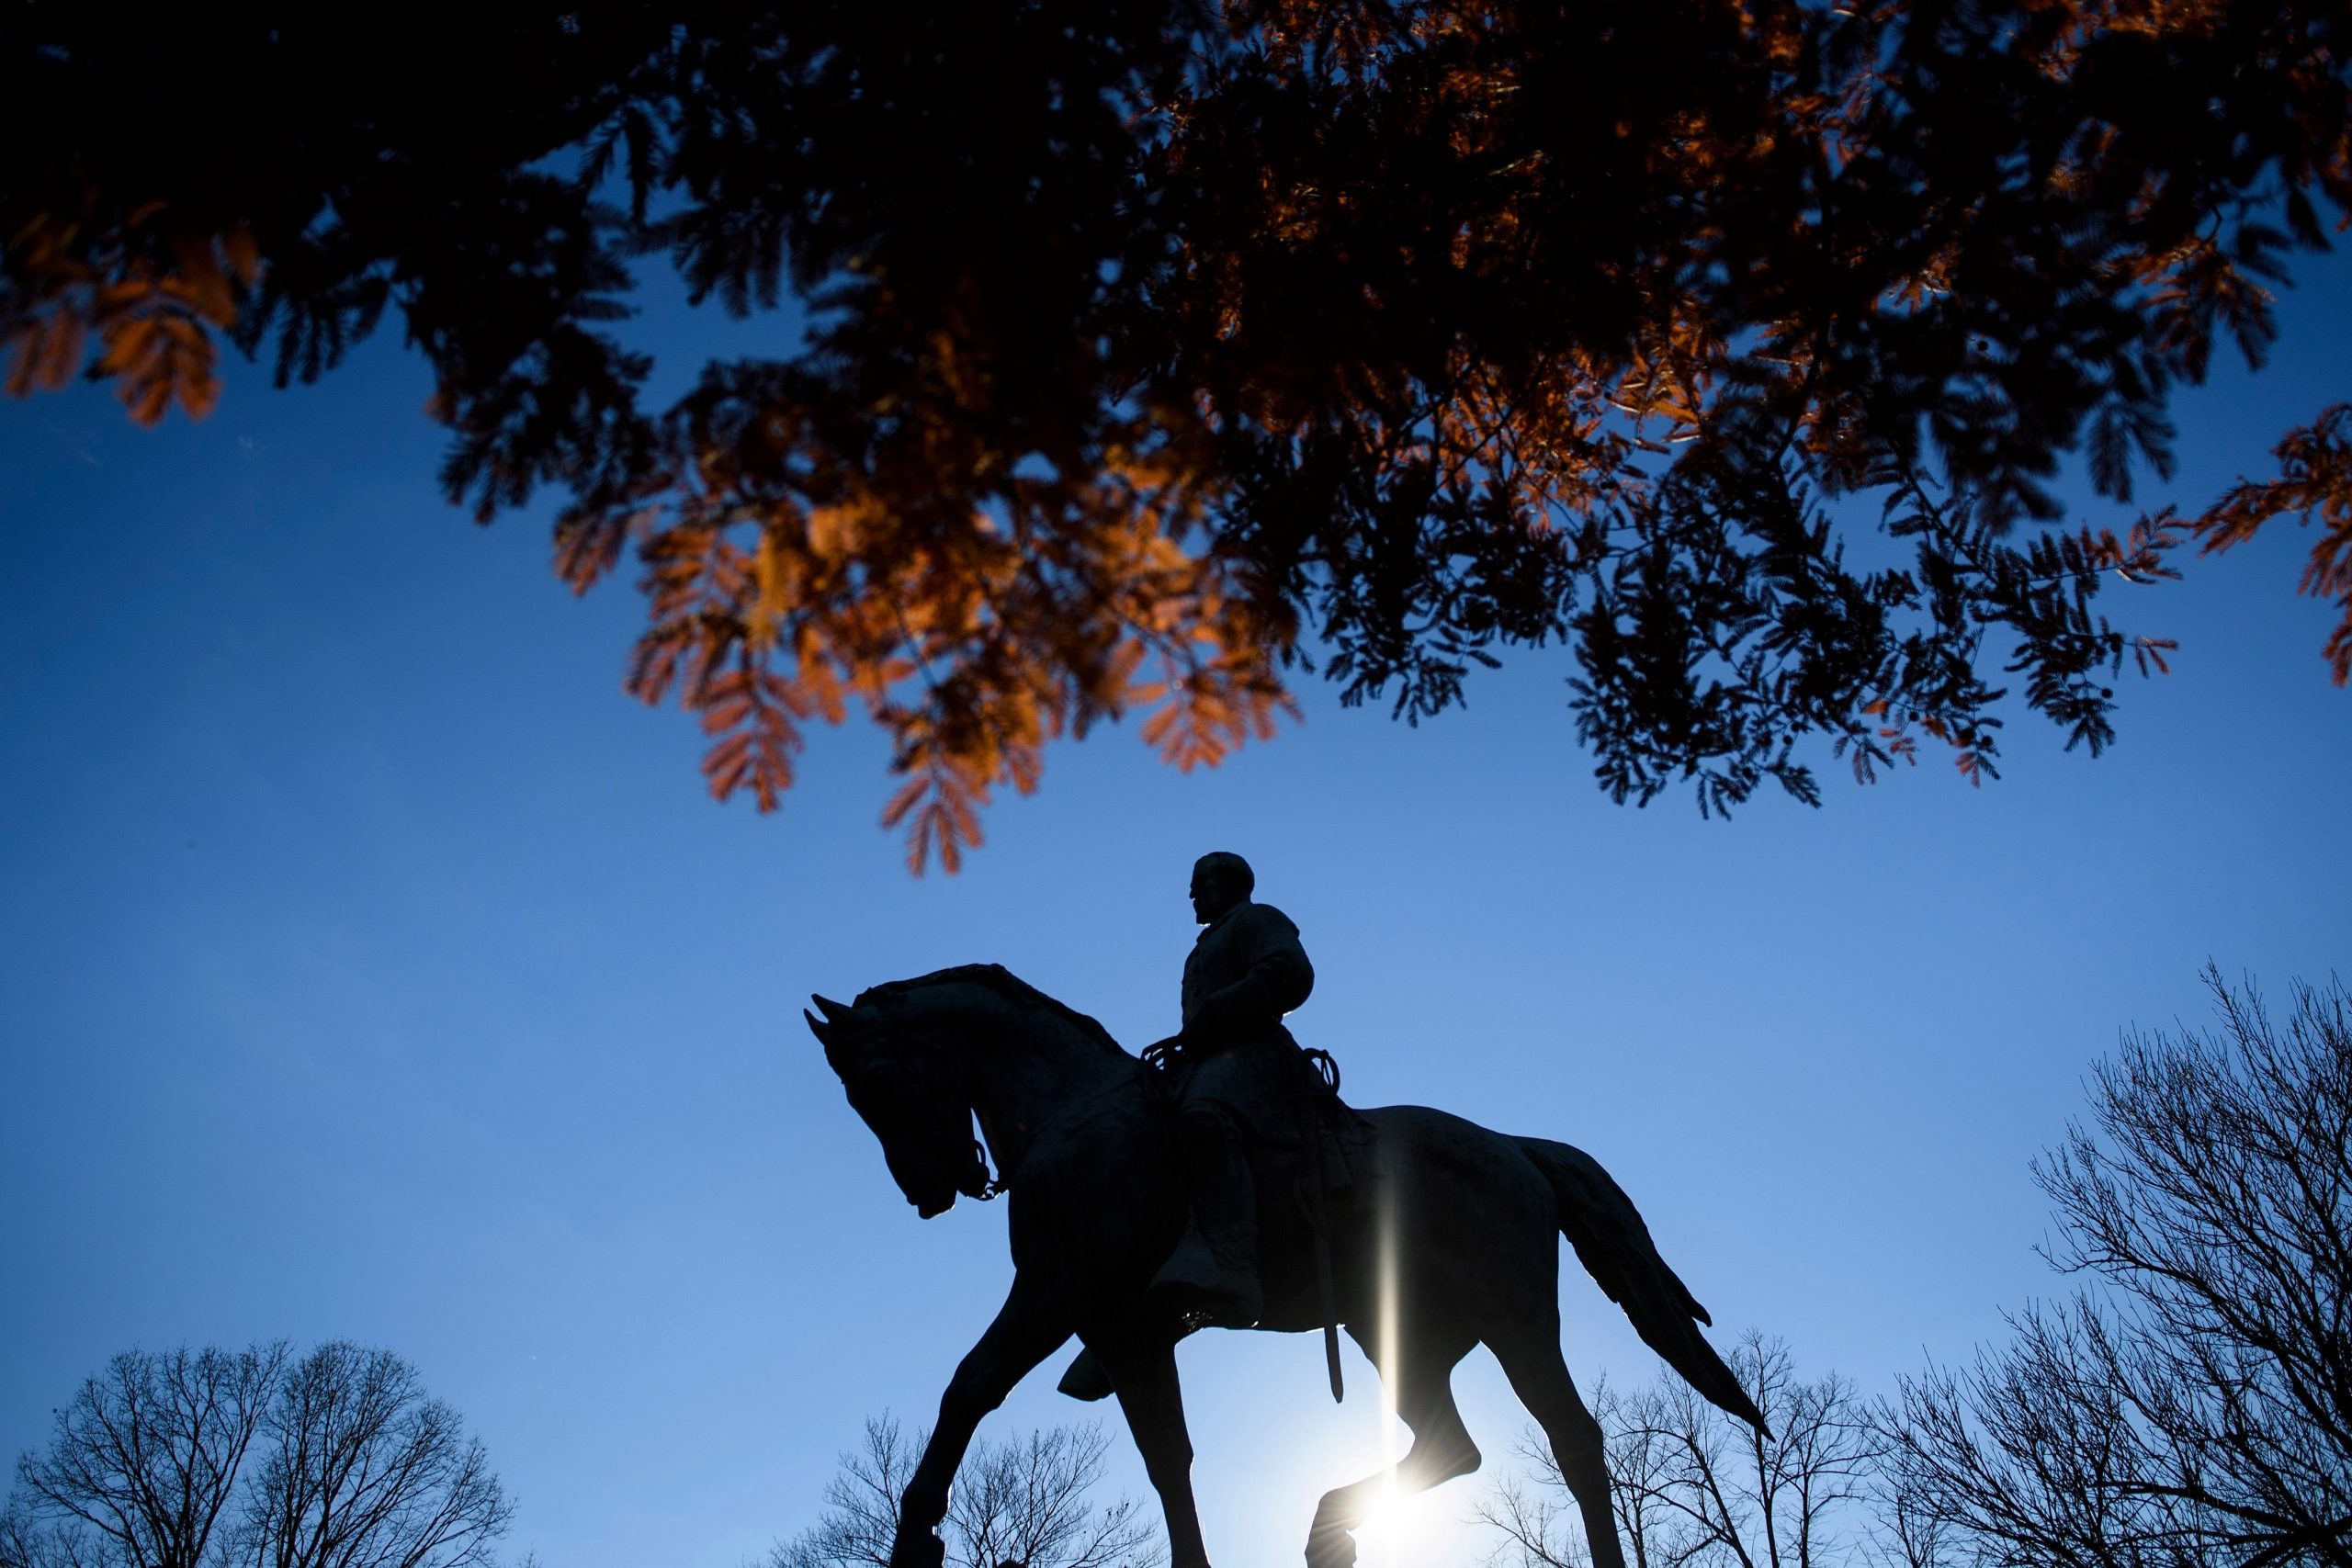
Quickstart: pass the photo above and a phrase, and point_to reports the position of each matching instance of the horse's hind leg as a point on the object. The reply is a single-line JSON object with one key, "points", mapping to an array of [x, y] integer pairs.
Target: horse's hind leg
{"points": [[1141, 1367], [1442, 1448], [1539, 1376]]}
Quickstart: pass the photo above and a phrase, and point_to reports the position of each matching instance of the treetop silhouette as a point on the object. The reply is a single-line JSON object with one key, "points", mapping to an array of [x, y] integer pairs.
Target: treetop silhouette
{"points": [[1155, 351]]}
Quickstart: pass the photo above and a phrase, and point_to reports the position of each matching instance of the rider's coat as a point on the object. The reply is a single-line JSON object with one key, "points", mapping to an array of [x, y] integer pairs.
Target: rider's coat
{"points": [[1246, 970]]}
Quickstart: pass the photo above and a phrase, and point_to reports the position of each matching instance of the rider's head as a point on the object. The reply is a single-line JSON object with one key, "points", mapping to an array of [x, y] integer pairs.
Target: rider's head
{"points": [[1220, 880]]}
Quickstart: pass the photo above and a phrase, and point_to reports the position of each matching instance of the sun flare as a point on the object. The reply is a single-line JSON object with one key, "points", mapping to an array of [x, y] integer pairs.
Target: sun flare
{"points": [[1390, 1536]]}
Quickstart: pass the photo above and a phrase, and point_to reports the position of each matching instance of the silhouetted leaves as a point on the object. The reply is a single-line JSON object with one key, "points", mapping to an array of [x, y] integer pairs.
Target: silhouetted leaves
{"points": [[2314, 479], [1151, 351]]}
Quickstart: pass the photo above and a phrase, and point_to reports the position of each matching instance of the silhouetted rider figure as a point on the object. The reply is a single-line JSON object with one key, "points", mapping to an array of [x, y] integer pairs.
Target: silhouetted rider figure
{"points": [[1236, 1067]]}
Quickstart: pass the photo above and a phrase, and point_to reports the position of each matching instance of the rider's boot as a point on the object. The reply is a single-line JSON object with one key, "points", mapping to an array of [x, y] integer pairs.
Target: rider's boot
{"points": [[1211, 1280]]}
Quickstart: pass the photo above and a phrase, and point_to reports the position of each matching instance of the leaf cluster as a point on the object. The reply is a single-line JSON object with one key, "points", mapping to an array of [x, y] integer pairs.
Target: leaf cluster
{"points": [[1149, 350]]}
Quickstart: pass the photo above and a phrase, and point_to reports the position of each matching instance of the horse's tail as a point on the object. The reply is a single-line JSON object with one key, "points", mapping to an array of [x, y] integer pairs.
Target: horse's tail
{"points": [[1615, 1248]]}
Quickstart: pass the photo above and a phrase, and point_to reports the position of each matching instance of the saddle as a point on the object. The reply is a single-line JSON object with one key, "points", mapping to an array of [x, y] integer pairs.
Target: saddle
{"points": [[1323, 1159], [1300, 1135]]}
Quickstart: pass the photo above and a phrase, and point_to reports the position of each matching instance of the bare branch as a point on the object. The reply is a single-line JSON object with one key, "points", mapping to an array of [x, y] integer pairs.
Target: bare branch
{"points": [[2193, 1404], [1027, 1503]]}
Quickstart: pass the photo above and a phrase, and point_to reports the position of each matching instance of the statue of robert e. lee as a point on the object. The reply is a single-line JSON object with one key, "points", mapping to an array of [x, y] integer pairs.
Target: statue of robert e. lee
{"points": [[1461, 1247], [1236, 1069]]}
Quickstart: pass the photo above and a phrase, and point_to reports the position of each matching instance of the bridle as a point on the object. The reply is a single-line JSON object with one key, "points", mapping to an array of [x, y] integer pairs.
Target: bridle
{"points": [[996, 1184]]}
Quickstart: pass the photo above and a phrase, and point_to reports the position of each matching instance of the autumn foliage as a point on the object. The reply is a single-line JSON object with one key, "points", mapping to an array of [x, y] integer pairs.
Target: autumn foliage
{"points": [[1145, 355]]}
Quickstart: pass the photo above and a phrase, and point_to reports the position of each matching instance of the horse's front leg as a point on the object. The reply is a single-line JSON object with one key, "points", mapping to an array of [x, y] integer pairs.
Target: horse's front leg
{"points": [[1029, 1327]]}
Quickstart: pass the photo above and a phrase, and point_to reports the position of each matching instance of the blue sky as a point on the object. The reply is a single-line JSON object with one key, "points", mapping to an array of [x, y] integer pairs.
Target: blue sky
{"points": [[370, 967]]}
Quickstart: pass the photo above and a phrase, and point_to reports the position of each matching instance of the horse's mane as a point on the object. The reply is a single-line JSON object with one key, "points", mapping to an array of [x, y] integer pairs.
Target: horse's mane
{"points": [[1006, 985]]}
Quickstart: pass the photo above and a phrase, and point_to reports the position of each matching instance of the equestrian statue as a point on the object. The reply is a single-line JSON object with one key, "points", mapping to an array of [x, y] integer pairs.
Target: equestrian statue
{"points": [[1217, 1180]]}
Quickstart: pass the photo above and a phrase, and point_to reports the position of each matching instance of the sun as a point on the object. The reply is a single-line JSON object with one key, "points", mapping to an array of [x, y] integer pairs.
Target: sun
{"points": [[1390, 1536]]}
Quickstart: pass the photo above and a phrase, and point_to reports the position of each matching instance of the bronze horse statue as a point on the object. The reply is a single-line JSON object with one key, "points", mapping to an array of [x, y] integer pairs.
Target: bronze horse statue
{"points": [[1455, 1246]]}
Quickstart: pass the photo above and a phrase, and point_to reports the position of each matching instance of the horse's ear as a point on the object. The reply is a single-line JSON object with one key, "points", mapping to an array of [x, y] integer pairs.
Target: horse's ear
{"points": [[832, 1031]]}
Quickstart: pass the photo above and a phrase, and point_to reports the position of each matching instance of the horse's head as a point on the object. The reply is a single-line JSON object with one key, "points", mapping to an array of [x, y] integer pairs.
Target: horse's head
{"points": [[913, 1087]]}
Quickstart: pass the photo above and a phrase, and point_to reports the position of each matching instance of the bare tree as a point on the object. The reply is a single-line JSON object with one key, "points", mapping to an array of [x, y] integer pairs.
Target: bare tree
{"points": [[142, 1469], [1539, 1521], [2195, 1406], [22, 1539], [1900, 1534], [1020, 1504], [208, 1459], [860, 1514], [368, 1471], [1693, 1488]]}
